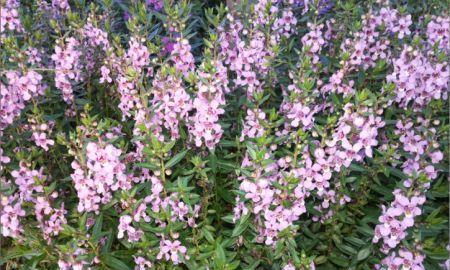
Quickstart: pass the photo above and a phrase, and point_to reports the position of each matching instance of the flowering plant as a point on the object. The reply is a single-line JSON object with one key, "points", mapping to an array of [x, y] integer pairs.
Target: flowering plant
{"points": [[253, 134]]}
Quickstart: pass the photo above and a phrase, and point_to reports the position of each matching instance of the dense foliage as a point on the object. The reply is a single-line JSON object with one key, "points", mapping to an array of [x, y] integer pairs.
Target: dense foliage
{"points": [[265, 134]]}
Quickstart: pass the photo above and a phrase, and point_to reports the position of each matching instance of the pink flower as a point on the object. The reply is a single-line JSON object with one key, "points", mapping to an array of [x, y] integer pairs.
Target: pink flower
{"points": [[105, 75], [50, 219], [41, 140], [403, 26], [289, 267], [253, 127], [137, 55], [438, 32], [102, 174], [208, 104], [125, 226], [285, 25], [418, 79], [313, 41], [9, 16], [142, 263], [67, 67], [436, 156], [404, 260], [25, 179], [10, 213], [182, 56], [61, 4], [300, 114], [172, 250], [171, 105]]}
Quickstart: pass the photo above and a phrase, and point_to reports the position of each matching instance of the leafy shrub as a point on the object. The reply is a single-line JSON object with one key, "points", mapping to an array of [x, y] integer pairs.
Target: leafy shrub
{"points": [[239, 135]]}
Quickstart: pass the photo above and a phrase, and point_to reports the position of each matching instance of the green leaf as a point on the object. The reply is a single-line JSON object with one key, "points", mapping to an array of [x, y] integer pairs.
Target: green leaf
{"points": [[177, 158], [147, 165], [397, 172], [253, 265], [226, 143], [208, 235], [320, 260], [148, 227], [357, 168], [433, 214], [108, 243], [156, 143], [169, 146], [221, 259], [438, 254], [114, 263], [363, 253], [338, 260], [82, 222], [242, 225], [97, 229], [251, 151], [355, 241], [14, 254], [228, 218], [227, 165], [347, 249], [365, 230]]}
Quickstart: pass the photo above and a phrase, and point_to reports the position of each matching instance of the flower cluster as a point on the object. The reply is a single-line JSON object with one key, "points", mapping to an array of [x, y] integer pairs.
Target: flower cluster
{"points": [[313, 42], [19, 90], [28, 182], [73, 261], [247, 60], [137, 55], [3, 159], [67, 67], [297, 113], [438, 32], [136, 58], [51, 219], [253, 126], [397, 219], [400, 215], [34, 56], [354, 137], [161, 202], [171, 104], [142, 263], [40, 133], [31, 189], [156, 4], [124, 226], [10, 215], [169, 205], [96, 37], [105, 75], [9, 16], [422, 148], [60, 5], [417, 80], [223, 136], [404, 260], [266, 198], [285, 25], [208, 105], [368, 45], [102, 173], [182, 56], [171, 250]]}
